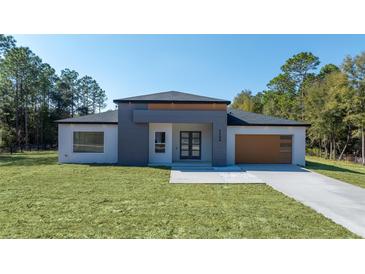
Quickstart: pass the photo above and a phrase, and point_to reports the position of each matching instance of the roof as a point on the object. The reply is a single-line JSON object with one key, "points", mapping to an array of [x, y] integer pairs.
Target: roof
{"points": [[108, 117], [171, 97], [237, 117]]}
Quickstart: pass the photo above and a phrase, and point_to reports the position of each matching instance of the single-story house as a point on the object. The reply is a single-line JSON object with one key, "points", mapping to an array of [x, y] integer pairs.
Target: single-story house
{"points": [[173, 127]]}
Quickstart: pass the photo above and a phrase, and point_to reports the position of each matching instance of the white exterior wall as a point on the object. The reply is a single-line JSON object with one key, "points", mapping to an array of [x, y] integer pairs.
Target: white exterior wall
{"points": [[298, 140], [65, 144], [206, 140], [160, 158]]}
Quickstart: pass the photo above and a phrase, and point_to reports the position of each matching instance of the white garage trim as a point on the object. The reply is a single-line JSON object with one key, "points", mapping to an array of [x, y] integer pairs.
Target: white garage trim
{"points": [[65, 146], [298, 141]]}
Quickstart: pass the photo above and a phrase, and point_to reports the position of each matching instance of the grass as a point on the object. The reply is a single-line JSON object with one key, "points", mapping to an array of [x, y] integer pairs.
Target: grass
{"points": [[40, 198], [345, 171]]}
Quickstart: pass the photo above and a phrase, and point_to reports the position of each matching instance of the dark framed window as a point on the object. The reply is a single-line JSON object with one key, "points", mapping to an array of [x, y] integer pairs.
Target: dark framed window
{"points": [[285, 137], [160, 142], [190, 145], [88, 142]]}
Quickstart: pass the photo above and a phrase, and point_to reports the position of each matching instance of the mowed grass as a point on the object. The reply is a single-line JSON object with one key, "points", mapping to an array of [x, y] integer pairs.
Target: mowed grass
{"points": [[341, 170], [40, 198]]}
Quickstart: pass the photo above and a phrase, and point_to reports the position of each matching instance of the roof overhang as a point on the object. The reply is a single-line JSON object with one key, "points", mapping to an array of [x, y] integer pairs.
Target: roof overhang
{"points": [[87, 123], [168, 102], [269, 125]]}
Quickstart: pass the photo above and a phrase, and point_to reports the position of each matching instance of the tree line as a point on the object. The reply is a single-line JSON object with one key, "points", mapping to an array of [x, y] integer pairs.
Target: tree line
{"points": [[33, 96], [331, 98]]}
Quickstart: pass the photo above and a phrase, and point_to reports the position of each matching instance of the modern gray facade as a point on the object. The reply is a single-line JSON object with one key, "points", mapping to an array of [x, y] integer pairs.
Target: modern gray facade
{"points": [[134, 119], [135, 115], [173, 128]]}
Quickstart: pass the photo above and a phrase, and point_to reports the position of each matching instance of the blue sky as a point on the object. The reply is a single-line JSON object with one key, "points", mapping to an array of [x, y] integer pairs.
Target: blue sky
{"points": [[212, 65]]}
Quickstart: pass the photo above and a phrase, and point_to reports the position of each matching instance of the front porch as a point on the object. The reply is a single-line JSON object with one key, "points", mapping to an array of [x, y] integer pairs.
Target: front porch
{"points": [[180, 144], [212, 175]]}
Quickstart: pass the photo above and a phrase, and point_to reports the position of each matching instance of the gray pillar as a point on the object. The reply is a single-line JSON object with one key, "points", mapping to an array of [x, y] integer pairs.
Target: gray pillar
{"points": [[219, 153], [132, 137]]}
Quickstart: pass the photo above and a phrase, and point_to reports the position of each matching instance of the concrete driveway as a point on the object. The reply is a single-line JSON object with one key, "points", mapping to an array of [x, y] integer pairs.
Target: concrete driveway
{"points": [[212, 175], [341, 202]]}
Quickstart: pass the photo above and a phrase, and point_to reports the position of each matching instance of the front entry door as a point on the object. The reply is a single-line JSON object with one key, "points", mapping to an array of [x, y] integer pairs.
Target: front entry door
{"points": [[190, 144]]}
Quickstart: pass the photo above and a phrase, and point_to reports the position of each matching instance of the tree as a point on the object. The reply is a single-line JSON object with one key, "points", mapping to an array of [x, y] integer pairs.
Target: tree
{"points": [[277, 104], [92, 96], [101, 99], [18, 72], [282, 84], [32, 96], [67, 87], [248, 102], [279, 98], [327, 106], [298, 69], [298, 66], [6, 138], [85, 87], [6, 43], [332, 100], [285, 93], [327, 69], [355, 70], [44, 127]]}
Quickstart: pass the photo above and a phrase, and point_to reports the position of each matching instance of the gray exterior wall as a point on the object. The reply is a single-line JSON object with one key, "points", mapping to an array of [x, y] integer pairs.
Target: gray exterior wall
{"points": [[132, 137], [218, 119]]}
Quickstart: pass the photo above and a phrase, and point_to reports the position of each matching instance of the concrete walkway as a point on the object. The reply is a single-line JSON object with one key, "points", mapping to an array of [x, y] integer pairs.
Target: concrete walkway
{"points": [[211, 175], [341, 202]]}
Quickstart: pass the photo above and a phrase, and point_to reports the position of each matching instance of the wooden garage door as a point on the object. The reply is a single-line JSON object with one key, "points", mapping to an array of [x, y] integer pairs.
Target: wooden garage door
{"points": [[263, 149]]}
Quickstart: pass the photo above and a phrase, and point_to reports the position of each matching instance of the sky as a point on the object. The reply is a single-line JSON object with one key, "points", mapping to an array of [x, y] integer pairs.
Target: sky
{"points": [[211, 65]]}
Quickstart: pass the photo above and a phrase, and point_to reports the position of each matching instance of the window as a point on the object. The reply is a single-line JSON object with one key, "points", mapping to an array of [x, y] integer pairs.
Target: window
{"points": [[89, 142], [285, 137], [160, 142], [190, 144]]}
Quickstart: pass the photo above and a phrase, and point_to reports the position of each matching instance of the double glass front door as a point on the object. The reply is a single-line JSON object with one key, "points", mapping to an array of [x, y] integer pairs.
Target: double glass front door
{"points": [[190, 144]]}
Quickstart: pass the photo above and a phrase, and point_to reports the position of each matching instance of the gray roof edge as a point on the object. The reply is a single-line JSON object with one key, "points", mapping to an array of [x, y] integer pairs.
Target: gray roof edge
{"points": [[85, 122], [171, 97], [234, 118], [171, 101], [106, 117], [270, 125], [257, 119]]}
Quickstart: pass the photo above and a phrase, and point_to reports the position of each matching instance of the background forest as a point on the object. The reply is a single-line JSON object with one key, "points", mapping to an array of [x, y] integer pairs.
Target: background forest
{"points": [[331, 98], [33, 96]]}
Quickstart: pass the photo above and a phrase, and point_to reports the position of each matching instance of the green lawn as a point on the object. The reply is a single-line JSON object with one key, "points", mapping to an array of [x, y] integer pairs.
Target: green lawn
{"points": [[341, 170], [40, 198]]}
